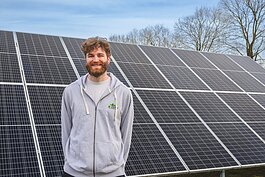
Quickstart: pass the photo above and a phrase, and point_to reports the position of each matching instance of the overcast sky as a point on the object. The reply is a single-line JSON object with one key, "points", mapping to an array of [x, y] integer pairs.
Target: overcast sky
{"points": [[85, 18]]}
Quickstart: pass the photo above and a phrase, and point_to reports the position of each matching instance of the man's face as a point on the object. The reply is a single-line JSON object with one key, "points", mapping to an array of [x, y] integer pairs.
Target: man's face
{"points": [[97, 62]]}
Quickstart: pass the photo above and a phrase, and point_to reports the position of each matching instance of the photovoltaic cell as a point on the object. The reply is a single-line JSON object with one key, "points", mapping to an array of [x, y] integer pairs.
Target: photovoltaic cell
{"points": [[9, 68], [7, 43], [128, 53], [167, 107], [245, 81], [247, 63], [210, 107], [197, 146], [144, 75], [140, 114], [150, 153], [17, 152], [258, 128], [46, 104], [260, 99], [13, 109], [74, 46], [51, 149], [193, 58], [260, 77], [48, 70], [182, 78], [222, 61], [241, 141], [216, 80], [244, 106], [162, 56], [37, 44]]}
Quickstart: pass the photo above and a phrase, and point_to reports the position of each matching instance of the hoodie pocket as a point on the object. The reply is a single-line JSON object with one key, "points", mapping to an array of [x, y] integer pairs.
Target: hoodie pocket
{"points": [[106, 157]]}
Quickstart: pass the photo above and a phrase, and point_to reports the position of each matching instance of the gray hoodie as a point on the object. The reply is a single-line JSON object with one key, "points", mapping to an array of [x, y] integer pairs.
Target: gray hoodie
{"points": [[96, 137]]}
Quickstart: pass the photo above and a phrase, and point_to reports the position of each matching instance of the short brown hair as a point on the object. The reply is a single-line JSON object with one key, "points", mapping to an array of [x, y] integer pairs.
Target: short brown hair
{"points": [[95, 42]]}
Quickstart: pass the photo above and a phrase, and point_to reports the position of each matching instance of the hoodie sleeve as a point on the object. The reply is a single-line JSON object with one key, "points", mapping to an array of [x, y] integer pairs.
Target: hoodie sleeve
{"points": [[127, 125], [66, 119]]}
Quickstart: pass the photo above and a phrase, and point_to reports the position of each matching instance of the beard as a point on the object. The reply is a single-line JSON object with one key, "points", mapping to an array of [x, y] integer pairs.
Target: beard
{"points": [[101, 68]]}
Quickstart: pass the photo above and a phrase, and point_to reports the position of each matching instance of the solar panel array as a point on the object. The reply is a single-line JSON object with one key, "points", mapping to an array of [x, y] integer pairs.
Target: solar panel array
{"points": [[194, 111]]}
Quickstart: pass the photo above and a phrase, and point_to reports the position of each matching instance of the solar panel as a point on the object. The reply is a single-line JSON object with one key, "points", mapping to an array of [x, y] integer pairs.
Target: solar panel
{"points": [[9, 68], [51, 148], [170, 87], [245, 81], [196, 145], [167, 107], [193, 58], [128, 53], [244, 106], [36, 44], [247, 63], [150, 153], [144, 76], [222, 61], [47, 70], [209, 107], [7, 43], [241, 141], [162, 56], [182, 78], [216, 80]]}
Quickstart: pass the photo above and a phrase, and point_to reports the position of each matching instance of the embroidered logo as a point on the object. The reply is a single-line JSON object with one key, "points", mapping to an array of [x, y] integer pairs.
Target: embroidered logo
{"points": [[112, 106]]}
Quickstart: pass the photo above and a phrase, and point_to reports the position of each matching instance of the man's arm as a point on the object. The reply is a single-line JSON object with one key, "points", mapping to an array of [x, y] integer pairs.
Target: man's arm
{"points": [[66, 120], [127, 126]]}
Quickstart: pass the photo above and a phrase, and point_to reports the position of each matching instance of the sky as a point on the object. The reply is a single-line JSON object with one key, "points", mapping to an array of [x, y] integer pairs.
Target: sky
{"points": [[86, 18]]}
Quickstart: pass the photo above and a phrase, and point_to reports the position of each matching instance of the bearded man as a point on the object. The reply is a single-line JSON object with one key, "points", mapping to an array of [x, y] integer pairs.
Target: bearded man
{"points": [[96, 118]]}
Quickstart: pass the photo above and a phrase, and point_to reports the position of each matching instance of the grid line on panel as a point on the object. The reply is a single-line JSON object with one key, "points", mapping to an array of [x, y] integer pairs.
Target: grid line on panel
{"points": [[167, 107], [74, 46], [193, 58], [216, 80], [13, 109], [17, 152], [210, 107], [128, 53], [162, 56], [150, 153], [260, 77], [260, 99], [197, 146], [241, 141], [244, 106], [51, 149], [7, 43], [182, 78], [143, 75], [222, 61], [46, 104], [9, 68], [37, 44], [258, 128], [45, 69], [245, 81], [246, 63]]}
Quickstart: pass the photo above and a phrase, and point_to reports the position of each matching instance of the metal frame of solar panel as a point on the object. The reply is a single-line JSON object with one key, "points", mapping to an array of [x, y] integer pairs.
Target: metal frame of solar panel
{"points": [[194, 111]]}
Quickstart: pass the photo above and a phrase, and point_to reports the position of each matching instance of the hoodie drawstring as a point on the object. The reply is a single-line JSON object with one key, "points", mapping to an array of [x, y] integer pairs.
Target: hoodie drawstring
{"points": [[86, 107], [116, 105]]}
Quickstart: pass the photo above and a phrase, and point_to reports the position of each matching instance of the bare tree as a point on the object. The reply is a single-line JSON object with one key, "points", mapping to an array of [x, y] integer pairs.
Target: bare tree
{"points": [[203, 31], [247, 29]]}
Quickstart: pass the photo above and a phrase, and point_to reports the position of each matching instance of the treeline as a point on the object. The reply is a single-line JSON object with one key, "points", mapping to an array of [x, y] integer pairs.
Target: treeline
{"points": [[234, 27]]}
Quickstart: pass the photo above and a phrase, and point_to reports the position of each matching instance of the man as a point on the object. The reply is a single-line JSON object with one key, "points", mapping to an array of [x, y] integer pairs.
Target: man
{"points": [[97, 117]]}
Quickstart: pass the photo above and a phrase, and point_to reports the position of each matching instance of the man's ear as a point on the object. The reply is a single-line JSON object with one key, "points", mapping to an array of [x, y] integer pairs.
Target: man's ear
{"points": [[108, 60]]}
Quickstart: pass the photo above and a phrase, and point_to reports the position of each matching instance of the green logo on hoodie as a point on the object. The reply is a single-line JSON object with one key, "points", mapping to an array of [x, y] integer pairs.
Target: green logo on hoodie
{"points": [[112, 106]]}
